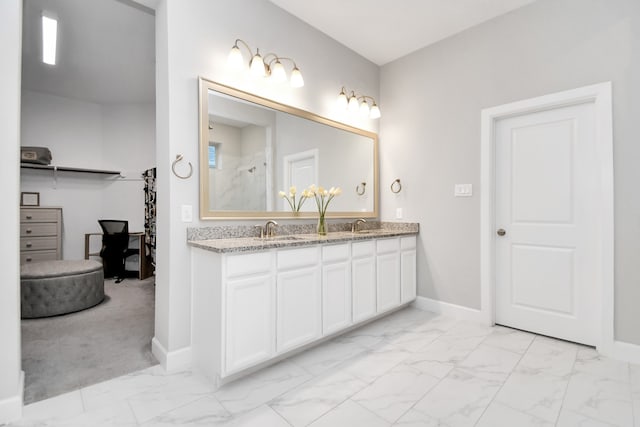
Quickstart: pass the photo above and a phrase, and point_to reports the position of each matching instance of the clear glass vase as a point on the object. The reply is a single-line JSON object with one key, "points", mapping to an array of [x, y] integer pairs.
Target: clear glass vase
{"points": [[322, 225]]}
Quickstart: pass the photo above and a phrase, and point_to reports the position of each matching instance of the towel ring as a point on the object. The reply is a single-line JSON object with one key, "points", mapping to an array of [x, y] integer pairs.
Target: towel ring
{"points": [[173, 167], [360, 188], [396, 188]]}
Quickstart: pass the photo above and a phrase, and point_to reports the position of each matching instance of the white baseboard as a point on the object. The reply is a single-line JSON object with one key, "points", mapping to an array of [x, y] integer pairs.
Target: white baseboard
{"points": [[11, 407], [452, 310], [171, 361], [620, 350]]}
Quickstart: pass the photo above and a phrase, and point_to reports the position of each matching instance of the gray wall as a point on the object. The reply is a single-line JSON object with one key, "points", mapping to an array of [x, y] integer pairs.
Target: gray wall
{"points": [[430, 131]]}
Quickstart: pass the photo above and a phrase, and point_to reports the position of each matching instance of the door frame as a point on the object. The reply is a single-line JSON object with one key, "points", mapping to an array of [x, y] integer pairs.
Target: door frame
{"points": [[600, 95]]}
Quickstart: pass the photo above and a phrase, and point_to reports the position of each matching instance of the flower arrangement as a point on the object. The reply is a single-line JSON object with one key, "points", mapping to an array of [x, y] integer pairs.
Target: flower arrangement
{"points": [[291, 198], [322, 197]]}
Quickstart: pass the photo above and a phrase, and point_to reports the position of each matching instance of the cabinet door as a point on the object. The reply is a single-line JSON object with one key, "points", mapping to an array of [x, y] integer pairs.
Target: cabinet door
{"points": [[336, 297], [408, 275], [250, 322], [388, 281], [363, 276], [298, 308]]}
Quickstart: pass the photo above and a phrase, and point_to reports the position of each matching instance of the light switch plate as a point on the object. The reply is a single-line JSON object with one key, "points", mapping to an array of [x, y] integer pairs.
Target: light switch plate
{"points": [[187, 213], [398, 213], [463, 190]]}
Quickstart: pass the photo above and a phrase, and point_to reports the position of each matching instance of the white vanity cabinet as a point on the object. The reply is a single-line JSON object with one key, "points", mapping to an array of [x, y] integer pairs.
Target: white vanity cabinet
{"points": [[251, 308], [408, 285], [298, 298], [248, 310], [387, 274], [336, 288], [363, 279]]}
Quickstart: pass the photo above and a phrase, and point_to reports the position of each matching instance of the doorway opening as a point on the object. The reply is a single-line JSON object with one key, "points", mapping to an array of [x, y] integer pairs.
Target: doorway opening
{"points": [[94, 110]]}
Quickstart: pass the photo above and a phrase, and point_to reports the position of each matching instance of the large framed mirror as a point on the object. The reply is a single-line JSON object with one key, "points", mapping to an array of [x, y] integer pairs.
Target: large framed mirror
{"points": [[251, 148]]}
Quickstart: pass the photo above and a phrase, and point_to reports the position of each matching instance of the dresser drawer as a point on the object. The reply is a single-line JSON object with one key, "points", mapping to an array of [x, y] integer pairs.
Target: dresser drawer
{"points": [[39, 215], [39, 229], [38, 243], [35, 256]]}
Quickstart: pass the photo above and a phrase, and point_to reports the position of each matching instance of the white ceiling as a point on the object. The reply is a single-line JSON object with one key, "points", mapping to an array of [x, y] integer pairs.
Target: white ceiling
{"points": [[385, 30], [106, 51]]}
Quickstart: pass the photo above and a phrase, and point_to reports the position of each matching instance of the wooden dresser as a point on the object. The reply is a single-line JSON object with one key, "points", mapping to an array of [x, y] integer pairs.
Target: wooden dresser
{"points": [[40, 234]]}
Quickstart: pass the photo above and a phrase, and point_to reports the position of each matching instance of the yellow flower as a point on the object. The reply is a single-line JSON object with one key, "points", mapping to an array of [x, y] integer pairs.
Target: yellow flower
{"points": [[282, 194], [292, 190]]}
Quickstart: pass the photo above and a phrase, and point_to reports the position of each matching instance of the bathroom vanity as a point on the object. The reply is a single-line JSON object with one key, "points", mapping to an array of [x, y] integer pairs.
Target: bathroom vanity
{"points": [[256, 300]]}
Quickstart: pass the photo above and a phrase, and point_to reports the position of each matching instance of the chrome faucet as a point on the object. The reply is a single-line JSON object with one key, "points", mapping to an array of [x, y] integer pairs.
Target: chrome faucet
{"points": [[269, 228], [356, 223]]}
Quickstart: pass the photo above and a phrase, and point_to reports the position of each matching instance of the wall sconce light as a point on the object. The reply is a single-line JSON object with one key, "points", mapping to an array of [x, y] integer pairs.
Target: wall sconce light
{"points": [[358, 103], [268, 66]]}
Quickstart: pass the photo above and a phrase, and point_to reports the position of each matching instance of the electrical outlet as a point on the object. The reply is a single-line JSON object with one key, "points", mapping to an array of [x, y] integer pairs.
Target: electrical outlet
{"points": [[398, 213], [463, 190], [187, 213]]}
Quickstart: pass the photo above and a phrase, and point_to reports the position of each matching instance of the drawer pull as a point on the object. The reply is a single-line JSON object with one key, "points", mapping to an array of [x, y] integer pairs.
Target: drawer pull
{"points": [[29, 217], [29, 231], [29, 259], [29, 244]]}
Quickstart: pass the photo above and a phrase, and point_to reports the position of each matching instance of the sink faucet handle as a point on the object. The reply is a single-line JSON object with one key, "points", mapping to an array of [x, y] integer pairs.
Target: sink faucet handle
{"points": [[261, 229], [269, 228], [354, 224]]}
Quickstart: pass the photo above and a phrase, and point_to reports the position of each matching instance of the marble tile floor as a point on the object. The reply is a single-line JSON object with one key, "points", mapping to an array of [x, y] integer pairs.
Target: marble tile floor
{"points": [[410, 369]]}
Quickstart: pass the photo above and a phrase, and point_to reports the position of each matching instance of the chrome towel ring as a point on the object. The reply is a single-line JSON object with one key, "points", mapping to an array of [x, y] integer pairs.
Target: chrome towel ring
{"points": [[396, 187], [173, 167], [360, 188]]}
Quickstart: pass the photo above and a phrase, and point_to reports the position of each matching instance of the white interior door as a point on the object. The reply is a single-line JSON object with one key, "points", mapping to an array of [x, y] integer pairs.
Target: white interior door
{"points": [[546, 191], [301, 170]]}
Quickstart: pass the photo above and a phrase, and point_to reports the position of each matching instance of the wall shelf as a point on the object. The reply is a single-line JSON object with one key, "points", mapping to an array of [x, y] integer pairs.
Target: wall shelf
{"points": [[67, 169]]}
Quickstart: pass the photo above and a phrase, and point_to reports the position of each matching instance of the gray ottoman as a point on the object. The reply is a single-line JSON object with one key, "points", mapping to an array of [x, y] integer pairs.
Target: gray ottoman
{"points": [[50, 288]]}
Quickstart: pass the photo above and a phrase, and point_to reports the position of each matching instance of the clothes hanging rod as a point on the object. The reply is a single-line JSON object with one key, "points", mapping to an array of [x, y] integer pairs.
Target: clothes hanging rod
{"points": [[68, 169]]}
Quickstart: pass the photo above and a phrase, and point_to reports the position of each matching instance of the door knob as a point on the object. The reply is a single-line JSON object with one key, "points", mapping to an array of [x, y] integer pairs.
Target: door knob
{"points": [[501, 232]]}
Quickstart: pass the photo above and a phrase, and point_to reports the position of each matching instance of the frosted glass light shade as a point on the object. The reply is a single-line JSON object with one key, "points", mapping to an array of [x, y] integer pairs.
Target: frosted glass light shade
{"points": [[256, 67], [296, 78], [375, 112], [49, 39], [364, 109], [278, 74], [342, 101], [235, 59], [353, 104]]}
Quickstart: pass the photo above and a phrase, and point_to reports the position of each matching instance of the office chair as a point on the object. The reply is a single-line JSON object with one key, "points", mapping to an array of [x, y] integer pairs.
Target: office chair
{"points": [[115, 247]]}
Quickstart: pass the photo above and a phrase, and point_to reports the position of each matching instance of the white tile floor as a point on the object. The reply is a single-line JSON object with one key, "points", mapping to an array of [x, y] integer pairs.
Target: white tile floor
{"points": [[410, 369]]}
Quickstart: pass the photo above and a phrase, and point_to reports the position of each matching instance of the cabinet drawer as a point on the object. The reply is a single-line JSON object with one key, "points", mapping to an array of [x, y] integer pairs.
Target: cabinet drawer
{"points": [[408, 242], [29, 257], [39, 215], [40, 229], [247, 264], [362, 249], [335, 253], [38, 243], [297, 258], [387, 245]]}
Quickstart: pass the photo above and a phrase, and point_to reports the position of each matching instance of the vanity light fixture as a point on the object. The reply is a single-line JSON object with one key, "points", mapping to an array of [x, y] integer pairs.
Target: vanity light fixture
{"points": [[49, 38], [358, 103], [269, 65]]}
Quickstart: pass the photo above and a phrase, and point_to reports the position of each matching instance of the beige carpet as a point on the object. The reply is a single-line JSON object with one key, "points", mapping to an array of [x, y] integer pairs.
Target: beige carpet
{"points": [[63, 353]]}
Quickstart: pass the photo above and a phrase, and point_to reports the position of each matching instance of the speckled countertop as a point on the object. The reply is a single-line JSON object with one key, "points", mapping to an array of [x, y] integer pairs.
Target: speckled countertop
{"points": [[242, 243]]}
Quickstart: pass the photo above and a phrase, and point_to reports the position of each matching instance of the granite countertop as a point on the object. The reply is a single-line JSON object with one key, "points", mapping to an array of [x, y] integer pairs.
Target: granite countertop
{"points": [[251, 244]]}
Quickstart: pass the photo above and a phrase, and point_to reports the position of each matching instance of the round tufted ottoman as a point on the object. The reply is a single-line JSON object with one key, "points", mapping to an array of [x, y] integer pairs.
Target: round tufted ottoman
{"points": [[50, 288]]}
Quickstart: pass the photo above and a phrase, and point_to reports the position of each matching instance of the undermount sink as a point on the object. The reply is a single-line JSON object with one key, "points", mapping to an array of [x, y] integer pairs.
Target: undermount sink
{"points": [[277, 238]]}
